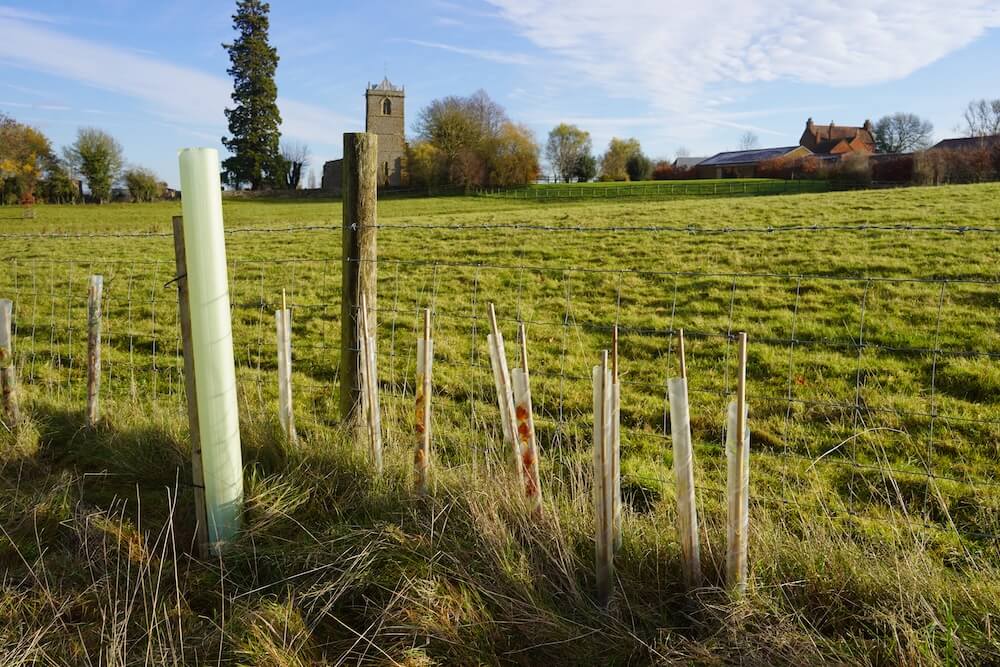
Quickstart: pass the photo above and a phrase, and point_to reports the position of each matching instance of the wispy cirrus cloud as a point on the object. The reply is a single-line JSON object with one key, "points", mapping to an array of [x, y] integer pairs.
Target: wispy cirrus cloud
{"points": [[501, 57], [171, 92], [674, 56], [27, 15]]}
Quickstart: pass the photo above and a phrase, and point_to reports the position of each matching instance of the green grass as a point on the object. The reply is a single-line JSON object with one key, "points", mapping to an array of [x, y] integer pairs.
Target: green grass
{"points": [[861, 556]]}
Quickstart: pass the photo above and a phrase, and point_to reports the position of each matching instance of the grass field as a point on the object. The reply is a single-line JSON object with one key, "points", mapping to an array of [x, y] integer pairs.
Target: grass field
{"points": [[874, 386]]}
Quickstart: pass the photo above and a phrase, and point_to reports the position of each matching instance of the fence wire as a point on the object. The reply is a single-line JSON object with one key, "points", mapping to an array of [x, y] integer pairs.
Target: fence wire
{"points": [[869, 393]]}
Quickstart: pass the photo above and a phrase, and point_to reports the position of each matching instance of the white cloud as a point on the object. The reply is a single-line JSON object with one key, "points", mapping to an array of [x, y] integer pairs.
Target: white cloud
{"points": [[674, 55], [26, 15], [172, 92], [502, 57]]}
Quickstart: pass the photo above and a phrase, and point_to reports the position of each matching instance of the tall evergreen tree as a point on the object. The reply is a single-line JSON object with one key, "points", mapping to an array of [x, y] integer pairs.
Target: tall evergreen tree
{"points": [[254, 121]]}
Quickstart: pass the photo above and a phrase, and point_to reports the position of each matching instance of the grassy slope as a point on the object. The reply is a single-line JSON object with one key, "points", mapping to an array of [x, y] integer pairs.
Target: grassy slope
{"points": [[858, 565]]}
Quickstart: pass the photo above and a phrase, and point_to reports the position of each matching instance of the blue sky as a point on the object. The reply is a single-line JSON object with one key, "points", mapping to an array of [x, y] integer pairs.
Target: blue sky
{"points": [[696, 75]]}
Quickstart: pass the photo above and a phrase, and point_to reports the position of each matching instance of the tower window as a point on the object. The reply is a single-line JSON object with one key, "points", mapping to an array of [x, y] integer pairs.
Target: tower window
{"points": [[387, 107]]}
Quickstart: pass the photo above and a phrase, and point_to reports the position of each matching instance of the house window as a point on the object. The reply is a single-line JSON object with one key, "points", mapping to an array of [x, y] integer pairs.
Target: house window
{"points": [[386, 107]]}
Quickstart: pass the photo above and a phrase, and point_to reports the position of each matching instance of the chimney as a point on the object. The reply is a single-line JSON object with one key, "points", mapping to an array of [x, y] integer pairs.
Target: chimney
{"points": [[809, 124], [868, 124]]}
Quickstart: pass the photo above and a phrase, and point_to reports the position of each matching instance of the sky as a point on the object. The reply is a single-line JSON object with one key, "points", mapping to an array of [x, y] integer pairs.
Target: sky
{"points": [[671, 74]]}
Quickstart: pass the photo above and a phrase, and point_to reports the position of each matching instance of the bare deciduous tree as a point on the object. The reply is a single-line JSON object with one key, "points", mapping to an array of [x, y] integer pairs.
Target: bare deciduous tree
{"points": [[748, 141], [982, 118], [902, 132], [294, 157]]}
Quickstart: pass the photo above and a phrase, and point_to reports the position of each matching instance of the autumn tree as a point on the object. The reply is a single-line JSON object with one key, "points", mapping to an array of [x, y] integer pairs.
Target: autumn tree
{"points": [[513, 156], [98, 157], [902, 133], [982, 118], [566, 145], [254, 120], [614, 162], [24, 152], [468, 141]]}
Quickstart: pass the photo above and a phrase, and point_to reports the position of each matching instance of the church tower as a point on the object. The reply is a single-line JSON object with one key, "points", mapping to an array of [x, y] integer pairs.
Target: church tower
{"points": [[384, 117]]}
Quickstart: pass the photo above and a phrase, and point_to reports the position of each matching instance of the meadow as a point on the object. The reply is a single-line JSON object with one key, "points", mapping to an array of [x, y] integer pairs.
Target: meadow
{"points": [[873, 384]]}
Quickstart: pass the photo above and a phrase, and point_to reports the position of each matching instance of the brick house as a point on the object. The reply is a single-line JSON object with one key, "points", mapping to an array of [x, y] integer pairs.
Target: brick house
{"points": [[838, 140]]}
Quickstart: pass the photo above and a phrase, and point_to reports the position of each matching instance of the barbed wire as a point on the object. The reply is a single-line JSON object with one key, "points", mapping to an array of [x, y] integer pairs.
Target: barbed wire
{"points": [[145, 360]]}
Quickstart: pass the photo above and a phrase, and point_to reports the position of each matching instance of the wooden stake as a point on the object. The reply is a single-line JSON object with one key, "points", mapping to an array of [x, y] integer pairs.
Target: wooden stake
{"points": [[425, 360], [616, 463], [94, 348], [505, 395], [369, 388], [603, 481], [680, 353], [738, 451], [526, 427], [194, 426], [8, 370], [286, 413], [680, 432], [359, 269]]}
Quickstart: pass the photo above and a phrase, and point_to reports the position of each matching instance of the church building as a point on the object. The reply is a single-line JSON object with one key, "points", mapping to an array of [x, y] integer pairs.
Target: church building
{"points": [[384, 116]]}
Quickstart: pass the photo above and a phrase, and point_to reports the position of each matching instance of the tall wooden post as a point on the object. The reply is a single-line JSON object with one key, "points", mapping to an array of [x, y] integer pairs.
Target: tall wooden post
{"points": [[184, 307], [603, 481], [359, 269], [94, 347], [8, 371]]}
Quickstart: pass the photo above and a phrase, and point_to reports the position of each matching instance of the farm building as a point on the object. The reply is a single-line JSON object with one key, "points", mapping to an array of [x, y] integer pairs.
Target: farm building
{"points": [[968, 143], [688, 162], [837, 139], [743, 164]]}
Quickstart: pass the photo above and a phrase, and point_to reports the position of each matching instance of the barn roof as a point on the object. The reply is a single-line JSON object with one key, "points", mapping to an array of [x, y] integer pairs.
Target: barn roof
{"points": [[965, 143], [754, 156], [688, 162]]}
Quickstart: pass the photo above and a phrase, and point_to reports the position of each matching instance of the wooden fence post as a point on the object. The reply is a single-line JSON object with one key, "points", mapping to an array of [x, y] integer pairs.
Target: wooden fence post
{"points": [[524, 414], [286, 414], [505, 395], [184, 306], [604, 549], [94, 293], [425, 362], [359, 269], [680, 435], [738, 469], [8, 369]]}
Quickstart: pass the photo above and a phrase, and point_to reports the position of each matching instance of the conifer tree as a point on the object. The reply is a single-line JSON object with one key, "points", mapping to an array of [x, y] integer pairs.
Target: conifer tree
{"points": [[254, 120]]}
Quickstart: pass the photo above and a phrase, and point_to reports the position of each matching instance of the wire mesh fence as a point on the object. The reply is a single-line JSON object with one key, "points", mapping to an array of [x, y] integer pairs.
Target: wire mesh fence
{"points": [[872, 396]]}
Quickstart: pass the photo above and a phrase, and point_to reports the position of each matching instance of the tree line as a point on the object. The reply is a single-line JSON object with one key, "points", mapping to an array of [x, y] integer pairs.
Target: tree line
{"points": [[31, 170]]}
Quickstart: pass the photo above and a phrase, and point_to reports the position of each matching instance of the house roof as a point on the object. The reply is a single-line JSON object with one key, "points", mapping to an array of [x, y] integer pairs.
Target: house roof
{"points": [[825, 138], [965, 143], [688, 162], [754, 156]]}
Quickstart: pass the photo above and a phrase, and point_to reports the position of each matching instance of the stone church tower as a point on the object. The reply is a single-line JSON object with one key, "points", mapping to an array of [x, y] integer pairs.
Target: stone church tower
{"points": [[384, 117]]}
